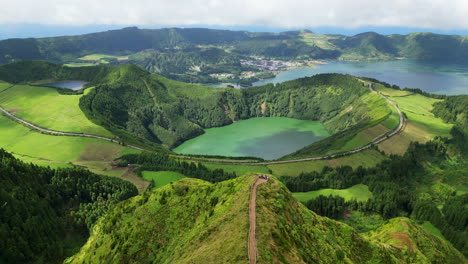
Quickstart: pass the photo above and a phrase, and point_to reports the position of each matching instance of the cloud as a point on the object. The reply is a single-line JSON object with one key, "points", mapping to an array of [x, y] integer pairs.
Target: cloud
{"points": [[437, 14]]}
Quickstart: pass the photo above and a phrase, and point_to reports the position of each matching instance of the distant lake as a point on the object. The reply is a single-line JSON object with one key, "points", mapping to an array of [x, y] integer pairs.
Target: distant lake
{"points": [[264, 137], [74, 85], [450, 79]]}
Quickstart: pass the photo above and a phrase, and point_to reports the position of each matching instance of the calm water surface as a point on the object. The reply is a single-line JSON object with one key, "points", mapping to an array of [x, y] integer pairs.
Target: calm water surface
{"points": [[451, 79], [74, 85], [265, 137]]}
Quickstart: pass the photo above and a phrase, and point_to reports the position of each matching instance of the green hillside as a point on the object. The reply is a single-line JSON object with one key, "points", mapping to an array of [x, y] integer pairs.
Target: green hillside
{"points": [[191, 221]]}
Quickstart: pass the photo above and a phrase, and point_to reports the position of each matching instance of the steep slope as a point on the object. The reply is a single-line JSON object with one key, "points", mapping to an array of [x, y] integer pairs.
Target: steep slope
{"points": [[289, 233], [191, 221]]}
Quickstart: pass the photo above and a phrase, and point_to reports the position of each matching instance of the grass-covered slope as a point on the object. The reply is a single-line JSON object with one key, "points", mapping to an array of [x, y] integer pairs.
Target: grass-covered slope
{"points": [[191, 221], [46, 107], [289, 233]]}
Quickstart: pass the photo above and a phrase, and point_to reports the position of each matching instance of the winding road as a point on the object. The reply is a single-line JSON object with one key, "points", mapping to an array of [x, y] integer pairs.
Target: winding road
{"points": [[252, 240], [376, 140], [60, 133]]}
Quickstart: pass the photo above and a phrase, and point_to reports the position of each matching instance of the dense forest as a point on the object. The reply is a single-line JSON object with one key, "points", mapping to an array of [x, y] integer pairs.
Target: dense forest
{"points": [[45, 213], [191, 54]]}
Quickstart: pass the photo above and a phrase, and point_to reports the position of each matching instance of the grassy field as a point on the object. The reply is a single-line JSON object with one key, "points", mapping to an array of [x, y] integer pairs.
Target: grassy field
{"points": [[79, 64], [367, 158], [434, 230], [421, 126], [4, 85], [360, 192], [47, 108], [59, 151], [98, 57], [162, 178]]}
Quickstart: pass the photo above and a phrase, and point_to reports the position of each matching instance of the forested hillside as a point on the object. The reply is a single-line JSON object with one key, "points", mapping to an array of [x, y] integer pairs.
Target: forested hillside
{"points": [[46, 214], [150, 109], [194, 54]]}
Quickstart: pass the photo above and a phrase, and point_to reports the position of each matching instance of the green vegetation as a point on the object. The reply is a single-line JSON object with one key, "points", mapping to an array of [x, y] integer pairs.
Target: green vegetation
{"points": [[189, 221], [239, 170], [422, 125], [403, 185], [431, 228], [289, 233], [48, 108], [161, 178], [366, 159], [162, 162], [47, 213], [146, 109], [359, 192], [21, 140]]}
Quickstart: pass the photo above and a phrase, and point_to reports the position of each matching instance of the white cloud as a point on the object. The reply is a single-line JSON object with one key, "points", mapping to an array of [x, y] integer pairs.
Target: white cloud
{"points": [[437, 14]]}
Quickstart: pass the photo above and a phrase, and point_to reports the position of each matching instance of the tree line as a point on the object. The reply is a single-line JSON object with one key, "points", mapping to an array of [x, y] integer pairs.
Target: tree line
{"points": [[43, 209]]}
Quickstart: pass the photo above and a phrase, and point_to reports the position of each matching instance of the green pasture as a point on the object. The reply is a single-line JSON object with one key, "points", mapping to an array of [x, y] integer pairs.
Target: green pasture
{"points": [[162, 178], [434, 230], [47, 108], [421, 124], [360, 192], [79, 64], [366, 158], [97, 56], [53, 149]]}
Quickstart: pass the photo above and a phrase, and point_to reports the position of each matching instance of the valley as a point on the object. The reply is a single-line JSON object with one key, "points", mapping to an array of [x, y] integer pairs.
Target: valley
{"points": [[136, 163]]}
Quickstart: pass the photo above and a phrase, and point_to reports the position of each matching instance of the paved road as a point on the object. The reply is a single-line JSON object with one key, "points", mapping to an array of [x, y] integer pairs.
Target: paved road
{"points": [[60, 133], [252, 241]]}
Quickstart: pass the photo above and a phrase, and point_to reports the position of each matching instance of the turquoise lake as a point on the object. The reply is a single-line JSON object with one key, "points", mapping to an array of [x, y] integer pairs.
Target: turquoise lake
{"points": [[439, 78], [264, 137]]}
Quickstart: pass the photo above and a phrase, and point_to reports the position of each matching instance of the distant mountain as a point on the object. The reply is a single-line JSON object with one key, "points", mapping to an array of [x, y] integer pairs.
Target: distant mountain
{"points": [[179, 53]]}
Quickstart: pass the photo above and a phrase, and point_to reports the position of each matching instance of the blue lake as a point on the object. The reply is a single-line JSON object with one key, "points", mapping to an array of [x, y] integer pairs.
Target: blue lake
{"points": [[74, 85], [450, 79]]}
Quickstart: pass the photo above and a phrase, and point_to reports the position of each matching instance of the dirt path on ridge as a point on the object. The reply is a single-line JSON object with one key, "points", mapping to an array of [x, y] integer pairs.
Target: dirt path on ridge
{"points": [[252, 247]]}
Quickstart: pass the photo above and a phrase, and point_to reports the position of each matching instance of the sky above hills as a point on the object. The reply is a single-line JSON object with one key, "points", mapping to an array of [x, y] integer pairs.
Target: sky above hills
{"points": [[22, 18]]}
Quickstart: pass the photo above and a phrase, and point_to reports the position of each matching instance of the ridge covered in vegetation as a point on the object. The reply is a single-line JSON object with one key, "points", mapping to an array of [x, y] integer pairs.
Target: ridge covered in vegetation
{"points": [[191, 221]]}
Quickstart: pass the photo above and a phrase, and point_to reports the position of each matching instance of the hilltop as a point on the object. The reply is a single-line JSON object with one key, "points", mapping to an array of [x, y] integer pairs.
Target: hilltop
{"points": [[191, 221]]}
